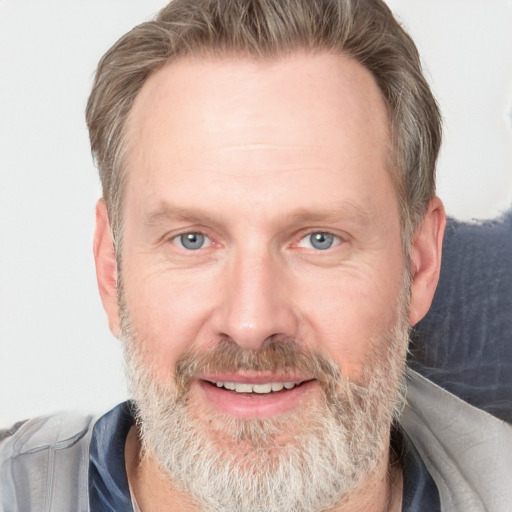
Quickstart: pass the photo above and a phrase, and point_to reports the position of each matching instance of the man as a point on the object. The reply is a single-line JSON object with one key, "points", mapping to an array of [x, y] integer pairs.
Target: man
{"points": [[268, 233]]}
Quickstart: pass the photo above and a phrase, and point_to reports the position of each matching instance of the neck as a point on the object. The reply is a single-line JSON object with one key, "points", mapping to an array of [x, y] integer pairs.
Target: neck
{"points": [[379, 492], [152, 488]]}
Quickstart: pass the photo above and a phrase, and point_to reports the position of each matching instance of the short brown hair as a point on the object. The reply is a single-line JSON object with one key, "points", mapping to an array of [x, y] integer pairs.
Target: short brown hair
{"points": [[362, 29]]}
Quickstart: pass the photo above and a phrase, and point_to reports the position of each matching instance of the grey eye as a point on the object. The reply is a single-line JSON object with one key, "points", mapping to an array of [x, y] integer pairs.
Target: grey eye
{"points": [[321, 241], [192, 241]]}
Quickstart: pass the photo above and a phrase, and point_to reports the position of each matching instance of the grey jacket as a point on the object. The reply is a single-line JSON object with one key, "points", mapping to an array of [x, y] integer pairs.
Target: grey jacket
{"points": [[44, 464]]}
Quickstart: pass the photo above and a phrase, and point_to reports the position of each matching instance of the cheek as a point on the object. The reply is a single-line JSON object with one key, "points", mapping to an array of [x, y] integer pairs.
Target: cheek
{"points": [[349, 316], [168, 316]]}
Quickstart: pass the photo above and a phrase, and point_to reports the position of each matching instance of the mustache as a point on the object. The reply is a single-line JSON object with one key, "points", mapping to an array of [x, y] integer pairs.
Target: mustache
{"points": [[284, 355], [274, 356]]}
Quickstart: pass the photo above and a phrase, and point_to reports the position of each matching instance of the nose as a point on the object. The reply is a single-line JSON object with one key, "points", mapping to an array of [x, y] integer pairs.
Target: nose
{"points": [[255, 302]]}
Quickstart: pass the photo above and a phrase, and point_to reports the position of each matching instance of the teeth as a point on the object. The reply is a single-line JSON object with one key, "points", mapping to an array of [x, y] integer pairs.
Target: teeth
{"points": [[243, 388], [261, 389]]}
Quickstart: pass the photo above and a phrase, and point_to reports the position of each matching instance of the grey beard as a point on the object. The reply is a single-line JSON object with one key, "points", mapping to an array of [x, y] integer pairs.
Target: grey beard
{"points": [[235, 465]]}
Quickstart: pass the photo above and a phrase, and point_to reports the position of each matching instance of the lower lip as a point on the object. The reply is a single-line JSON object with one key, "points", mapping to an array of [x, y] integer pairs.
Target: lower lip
{"points": [[253, 405]]}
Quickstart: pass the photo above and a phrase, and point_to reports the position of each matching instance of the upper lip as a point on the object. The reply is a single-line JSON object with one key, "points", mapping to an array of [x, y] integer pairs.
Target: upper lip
{"points": [[255, 377]]}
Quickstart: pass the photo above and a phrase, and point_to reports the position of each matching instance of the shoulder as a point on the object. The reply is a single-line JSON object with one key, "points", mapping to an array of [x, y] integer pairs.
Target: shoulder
{"points": [[465, 449], [9, 432], [56, 431], [38, 457]]}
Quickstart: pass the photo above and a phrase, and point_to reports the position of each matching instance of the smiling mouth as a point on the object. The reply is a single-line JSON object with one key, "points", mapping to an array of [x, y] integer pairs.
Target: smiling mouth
{"points": [[260, 388], [255, 396]]}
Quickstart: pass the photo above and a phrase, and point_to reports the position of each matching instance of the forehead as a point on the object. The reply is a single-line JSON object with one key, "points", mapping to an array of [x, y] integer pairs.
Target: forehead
{"points": [[241, 92], [258, 123]]}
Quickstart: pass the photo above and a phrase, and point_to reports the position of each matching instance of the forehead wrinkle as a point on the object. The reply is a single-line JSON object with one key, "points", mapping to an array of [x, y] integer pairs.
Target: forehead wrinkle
{"points": [[264, 145]]}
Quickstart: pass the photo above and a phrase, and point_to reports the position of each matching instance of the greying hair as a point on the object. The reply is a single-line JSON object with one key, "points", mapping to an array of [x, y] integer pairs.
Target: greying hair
{"points": [[264, 29]]}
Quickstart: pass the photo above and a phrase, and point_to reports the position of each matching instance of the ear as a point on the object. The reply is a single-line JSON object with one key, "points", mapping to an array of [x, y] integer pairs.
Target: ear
{"points": [[106, 267], [425, 260]]}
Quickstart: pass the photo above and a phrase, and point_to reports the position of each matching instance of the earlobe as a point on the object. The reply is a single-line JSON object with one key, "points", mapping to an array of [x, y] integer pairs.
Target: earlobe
{"points": [[106, 266], [426, 260]]}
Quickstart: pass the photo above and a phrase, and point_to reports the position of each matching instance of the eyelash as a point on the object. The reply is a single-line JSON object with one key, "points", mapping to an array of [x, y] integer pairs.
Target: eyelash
{"points": [[336, 240], [178, 239]]}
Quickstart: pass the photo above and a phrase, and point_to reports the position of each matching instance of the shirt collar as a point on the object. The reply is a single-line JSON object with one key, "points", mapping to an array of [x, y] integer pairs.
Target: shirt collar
{"points": [[108, 484]]}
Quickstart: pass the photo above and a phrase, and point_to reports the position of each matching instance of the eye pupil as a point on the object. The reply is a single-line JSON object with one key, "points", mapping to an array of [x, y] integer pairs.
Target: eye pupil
{"points": [[321, 241], [192, 241]]}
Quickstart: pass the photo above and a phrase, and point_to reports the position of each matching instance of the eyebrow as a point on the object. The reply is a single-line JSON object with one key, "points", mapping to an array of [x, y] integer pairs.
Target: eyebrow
{"points": [[166, 212], [346, 211], [349, 212]]}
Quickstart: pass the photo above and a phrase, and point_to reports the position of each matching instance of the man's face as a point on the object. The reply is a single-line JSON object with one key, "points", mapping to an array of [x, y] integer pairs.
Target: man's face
{"points": [[260, 213]]}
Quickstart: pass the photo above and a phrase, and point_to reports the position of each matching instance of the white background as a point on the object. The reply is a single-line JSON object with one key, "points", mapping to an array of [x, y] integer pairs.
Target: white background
{"points": [[55, 348]]}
